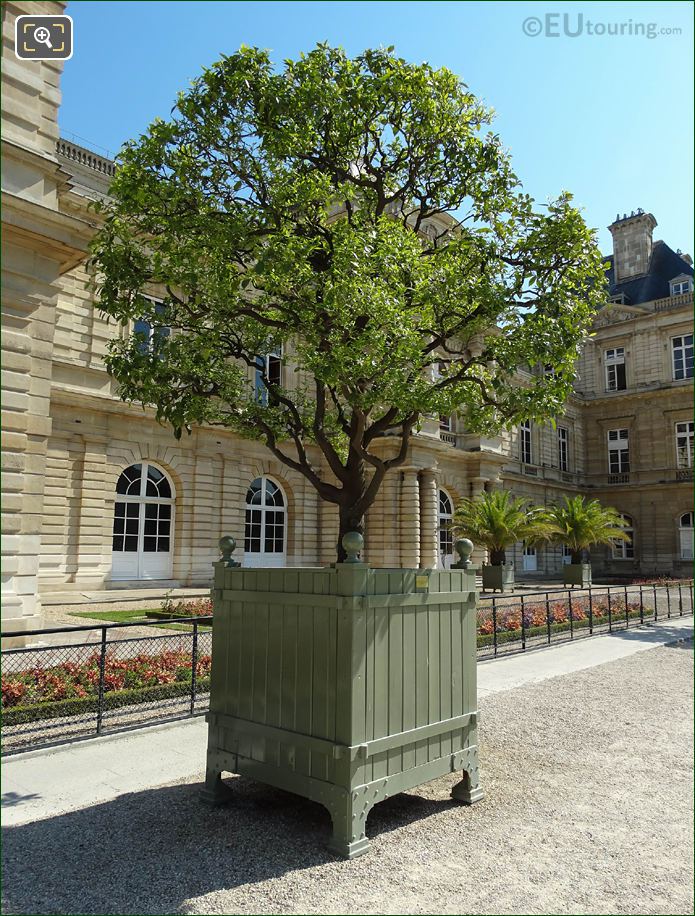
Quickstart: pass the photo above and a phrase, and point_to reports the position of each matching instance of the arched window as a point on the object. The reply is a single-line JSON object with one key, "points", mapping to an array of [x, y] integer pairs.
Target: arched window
{"points": [[264, 535], [625, 550], [685, 532], [446, 538], [143, 524]]}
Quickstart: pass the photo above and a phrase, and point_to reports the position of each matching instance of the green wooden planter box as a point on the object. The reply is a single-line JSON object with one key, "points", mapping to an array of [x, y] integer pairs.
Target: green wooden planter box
{"points": [[577, 574], [498, 577], [345, 685]]}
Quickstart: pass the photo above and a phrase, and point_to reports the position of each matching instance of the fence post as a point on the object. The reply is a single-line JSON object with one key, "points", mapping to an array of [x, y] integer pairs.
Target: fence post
{"points": [[641, 605], [668, 601], [494, 626], [102, 670], [627, 611], [523, 625], [690, 587], [591, 613], [569, 605], [656, 611], [680, 600], [610, 620], [547, 613], [194, 664]]}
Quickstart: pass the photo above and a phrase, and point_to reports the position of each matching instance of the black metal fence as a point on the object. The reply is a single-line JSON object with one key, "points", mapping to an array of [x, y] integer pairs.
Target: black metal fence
{"points": [[100, 678], [514, 623]]}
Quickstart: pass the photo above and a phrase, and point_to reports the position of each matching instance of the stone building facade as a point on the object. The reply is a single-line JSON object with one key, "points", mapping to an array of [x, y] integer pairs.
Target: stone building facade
{"points": [[96, 494]]}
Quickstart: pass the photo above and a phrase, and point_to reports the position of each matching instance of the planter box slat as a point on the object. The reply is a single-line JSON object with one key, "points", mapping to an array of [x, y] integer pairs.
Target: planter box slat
{"points": [[330, 680]]}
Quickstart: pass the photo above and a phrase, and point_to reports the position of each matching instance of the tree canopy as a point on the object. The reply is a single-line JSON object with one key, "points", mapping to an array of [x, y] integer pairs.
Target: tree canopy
{"points": [[362, 214]]}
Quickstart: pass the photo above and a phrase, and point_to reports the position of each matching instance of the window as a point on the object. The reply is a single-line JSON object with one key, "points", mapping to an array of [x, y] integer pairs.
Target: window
{"points": [[684, 444], [566, 555], [269, 365], [618, 451], [625, 550], [679, 287], [446, 538], [682, 354], [563, 448], [445, 424], [525, 442], [143, 524], [615, 369], [150, 336], [264, 535], [685, 530]]}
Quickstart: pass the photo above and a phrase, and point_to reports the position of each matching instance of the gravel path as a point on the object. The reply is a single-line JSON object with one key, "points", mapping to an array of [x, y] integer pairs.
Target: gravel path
{"points": [[588, 810]]}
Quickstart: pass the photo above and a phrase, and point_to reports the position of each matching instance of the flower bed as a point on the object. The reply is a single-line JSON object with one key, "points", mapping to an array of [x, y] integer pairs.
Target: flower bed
{"points": [[194, 607], [537, 617], [70, 688]]}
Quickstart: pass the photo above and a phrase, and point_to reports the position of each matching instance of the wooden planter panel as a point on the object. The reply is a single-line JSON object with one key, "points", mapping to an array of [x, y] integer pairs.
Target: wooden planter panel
{"points": [[344, 684]]}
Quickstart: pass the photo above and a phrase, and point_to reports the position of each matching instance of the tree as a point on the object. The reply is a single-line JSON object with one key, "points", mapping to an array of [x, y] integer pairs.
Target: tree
{"points": [[359, 213], [497, 520], [579, 524]]}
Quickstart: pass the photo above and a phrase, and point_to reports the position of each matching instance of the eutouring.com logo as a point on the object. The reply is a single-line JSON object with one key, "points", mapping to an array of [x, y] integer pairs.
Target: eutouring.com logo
{"points": [[577, 25]]}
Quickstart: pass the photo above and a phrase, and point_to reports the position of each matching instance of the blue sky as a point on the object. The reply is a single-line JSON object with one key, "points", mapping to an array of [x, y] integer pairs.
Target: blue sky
{"points": [[607, 117]]}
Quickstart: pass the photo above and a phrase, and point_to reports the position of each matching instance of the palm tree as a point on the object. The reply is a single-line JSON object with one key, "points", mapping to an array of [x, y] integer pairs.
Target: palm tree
{"points": [[578, 523], [497, 520]]}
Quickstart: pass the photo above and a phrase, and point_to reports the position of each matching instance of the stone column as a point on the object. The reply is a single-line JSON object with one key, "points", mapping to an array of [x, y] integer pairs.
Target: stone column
{"points": [[95, 524], [429, 511], [409, 519], [479, 555]]}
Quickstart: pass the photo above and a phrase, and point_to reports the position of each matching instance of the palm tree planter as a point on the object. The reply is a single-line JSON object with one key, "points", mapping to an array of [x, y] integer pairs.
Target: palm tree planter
{"points": [[498, 577], [496, 519], [578, 524], [577, 574], [344, 684]]}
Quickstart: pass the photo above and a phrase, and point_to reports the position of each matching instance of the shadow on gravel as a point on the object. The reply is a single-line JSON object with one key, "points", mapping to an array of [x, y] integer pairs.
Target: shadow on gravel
{"points": [[682, 636], [149, 852]]}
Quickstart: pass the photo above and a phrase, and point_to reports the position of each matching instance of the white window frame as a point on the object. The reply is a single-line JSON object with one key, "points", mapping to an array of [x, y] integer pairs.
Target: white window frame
{"points": [[262, 557], [152, 331], [445, 423], [617, 445], [613, 359], [685, 434], [445, 537], [265, 363], [680, 287], [563, 448], [138, 567], [625, 550], [682, 348], [525, 442], [685, 548]]}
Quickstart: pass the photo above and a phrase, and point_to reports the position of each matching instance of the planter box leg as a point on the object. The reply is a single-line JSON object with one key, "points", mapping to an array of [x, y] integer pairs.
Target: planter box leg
{"points": [[468, 790], [215, 792], [349, 818]]}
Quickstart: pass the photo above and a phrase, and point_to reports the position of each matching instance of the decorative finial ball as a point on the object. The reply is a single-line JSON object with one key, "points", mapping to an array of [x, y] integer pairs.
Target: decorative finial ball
{"points": [[464, 548], [227, 545], [352, 542]]}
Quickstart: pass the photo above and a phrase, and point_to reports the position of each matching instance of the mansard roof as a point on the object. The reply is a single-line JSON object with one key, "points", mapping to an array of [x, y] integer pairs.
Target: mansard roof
{"points": [[665, 265]]}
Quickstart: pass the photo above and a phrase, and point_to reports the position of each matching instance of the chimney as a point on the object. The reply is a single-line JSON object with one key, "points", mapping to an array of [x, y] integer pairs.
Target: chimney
{"points": [[632, 244]]}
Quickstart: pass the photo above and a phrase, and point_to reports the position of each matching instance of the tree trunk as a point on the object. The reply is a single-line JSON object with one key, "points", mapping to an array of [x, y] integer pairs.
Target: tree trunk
{"points": [[349, 521], [577, 556], [497, 557]]}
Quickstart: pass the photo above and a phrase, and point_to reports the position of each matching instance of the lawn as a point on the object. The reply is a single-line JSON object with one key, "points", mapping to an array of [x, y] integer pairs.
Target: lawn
{"points": [[133, 616]]}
